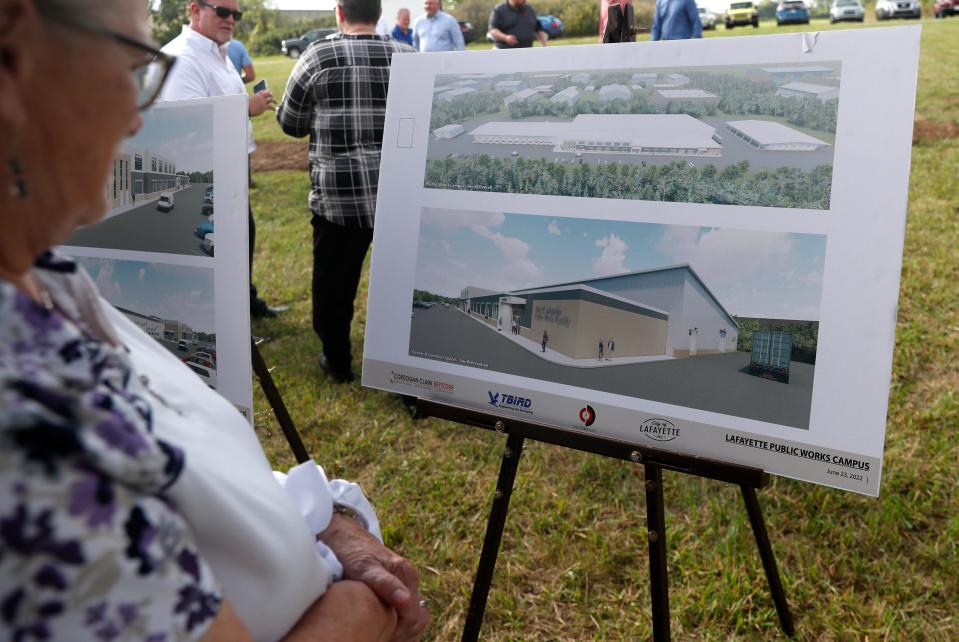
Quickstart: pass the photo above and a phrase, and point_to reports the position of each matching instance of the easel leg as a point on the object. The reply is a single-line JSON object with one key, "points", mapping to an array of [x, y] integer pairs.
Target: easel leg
{"points": [[279, 408], [769, 560], [493, 538], [658, 577]]}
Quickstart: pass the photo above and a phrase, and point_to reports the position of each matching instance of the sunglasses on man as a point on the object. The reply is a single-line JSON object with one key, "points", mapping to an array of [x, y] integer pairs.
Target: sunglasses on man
{"points": [[222, 12]]}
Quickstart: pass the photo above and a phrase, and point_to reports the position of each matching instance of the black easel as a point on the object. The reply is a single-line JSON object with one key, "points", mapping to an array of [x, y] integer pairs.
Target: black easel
{"points": [[654, 461], [276, 403]]}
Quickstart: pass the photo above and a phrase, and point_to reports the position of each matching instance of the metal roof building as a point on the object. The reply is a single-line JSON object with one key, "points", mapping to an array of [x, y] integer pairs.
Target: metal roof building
{"points": [[453, 94], [569, 96], [520, 96], [661, 134], [448, 131], [772, 136], [662, 311], [808, 90], [612, 92]]}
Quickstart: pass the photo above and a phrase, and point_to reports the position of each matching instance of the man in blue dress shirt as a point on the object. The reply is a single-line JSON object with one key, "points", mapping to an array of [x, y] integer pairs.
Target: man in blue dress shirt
{"points": [[437, 30], [676, 20], [402, 31]]}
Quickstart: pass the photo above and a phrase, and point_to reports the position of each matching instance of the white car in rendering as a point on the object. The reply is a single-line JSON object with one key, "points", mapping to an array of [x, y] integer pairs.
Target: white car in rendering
{"points": [[841, 10], [207, 244], [165, 202], [707, 18], [888, 9], [207, 374]]}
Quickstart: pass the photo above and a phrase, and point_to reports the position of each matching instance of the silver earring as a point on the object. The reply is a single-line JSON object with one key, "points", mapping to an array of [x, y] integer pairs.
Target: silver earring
{"points": [[18, 184]]}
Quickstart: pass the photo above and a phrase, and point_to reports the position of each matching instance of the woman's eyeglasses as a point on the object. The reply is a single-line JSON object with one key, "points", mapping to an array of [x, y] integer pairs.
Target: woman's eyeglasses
{"points": [[148, 75], [222, 12]]}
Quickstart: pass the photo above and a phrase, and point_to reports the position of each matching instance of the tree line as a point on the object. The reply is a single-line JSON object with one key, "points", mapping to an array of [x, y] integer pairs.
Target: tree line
{"points": [[735, 184]]}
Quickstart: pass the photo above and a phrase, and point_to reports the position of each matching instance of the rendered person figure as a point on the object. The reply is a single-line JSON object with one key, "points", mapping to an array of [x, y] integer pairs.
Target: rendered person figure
{"points": [[610, 346], [545, 340], [600, 353]]}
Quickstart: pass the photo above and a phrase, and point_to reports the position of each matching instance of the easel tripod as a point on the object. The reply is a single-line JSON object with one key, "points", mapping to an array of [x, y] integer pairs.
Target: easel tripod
{"points": [[654, 461]]}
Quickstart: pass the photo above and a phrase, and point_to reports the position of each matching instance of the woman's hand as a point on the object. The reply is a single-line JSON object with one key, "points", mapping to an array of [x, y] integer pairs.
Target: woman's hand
{"points": [[390, 576], [348, 612]]}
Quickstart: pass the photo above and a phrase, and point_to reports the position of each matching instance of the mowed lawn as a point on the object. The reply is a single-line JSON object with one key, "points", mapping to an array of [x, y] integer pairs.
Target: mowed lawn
{"points": [[573, 564]]}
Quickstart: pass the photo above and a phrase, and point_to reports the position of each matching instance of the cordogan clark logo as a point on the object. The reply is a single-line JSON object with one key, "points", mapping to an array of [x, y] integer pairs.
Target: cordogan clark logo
{"points": [[587, 415]]}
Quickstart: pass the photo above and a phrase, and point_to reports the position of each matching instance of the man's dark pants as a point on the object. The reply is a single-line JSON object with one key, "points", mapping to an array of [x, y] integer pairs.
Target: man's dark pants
{"points": [[338, 254]]}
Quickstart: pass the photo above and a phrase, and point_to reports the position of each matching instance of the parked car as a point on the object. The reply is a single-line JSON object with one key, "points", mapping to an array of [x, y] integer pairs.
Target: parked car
{"points": [[207, 374], [792, 12], [293, 47], [889, 9], [944, 8], [206, 355], [182, 346], [198, 360], [207, 244], [552, 25], [741, 14], [846, 10], [707, 18], [469, 34], [165, 202], [203, 229]]}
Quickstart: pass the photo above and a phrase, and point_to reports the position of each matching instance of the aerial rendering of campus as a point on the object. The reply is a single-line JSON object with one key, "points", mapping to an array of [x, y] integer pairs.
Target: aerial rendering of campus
{"points": [[716, 319], [760, 135]]}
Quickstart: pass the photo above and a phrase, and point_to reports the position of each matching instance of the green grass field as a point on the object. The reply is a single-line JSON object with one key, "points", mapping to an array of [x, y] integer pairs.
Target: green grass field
{"points": [[573, 564]]}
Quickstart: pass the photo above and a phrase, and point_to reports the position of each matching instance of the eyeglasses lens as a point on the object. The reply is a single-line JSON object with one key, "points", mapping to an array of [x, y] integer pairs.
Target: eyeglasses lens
{"points": [[149, 79]]}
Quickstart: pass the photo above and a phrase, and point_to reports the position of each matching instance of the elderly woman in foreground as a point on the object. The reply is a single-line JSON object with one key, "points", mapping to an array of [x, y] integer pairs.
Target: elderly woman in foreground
{"points": [[134, 502]]}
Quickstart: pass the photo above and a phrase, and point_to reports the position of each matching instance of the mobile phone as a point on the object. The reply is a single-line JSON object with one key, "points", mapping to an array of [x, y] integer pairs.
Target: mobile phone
{"points": [[260, 86]]}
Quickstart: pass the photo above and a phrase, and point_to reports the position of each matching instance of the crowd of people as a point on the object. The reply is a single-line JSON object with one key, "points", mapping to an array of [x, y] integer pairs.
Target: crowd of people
{"points": [[135, 504]]}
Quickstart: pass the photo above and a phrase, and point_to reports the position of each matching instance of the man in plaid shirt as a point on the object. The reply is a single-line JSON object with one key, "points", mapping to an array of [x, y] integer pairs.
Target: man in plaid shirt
{"points": [[337, 95]]}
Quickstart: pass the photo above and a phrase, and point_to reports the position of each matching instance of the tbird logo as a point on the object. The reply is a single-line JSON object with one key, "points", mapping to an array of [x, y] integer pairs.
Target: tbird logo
{"points": [[493, 398], [587, 415]]}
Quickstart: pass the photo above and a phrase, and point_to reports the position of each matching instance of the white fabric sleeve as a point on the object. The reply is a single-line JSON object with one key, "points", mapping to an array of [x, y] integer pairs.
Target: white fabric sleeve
{"points": [[314, 495]]}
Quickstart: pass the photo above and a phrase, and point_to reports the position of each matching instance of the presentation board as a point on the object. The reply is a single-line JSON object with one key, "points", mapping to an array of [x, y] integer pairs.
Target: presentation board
{"points": [[693, 245], [155, 256]]}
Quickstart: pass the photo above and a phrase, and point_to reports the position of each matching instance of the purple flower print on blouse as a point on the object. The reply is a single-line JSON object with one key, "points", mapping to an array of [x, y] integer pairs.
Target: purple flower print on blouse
{"points": [[92, 496], [140, 534], [117, 433], [198, 605], [40, 319], [27, 535]]}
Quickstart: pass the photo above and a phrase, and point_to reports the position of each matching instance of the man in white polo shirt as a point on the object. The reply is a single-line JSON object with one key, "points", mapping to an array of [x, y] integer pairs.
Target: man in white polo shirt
{"points": [[203, 70]]}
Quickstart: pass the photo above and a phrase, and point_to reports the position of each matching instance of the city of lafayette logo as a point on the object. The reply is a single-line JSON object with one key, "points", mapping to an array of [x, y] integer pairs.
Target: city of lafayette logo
{"points": [[659, 429], [587, 415], [510, 402]]}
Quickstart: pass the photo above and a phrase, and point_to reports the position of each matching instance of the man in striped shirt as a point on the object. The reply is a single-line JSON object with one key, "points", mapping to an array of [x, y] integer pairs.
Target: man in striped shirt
{"points": [[336, 94]]}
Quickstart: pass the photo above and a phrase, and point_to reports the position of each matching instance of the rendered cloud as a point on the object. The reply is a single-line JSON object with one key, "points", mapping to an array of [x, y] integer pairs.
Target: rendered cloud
{"points": [[553, 228], [612, 260], [450, 220]]}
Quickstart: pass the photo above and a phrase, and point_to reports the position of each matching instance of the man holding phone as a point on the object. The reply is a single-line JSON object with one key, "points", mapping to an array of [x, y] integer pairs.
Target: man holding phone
{"points": [[204, 70]]}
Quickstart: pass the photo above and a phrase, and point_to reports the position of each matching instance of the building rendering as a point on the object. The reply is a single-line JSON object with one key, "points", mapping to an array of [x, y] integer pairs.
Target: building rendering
{"points": [[614, 92], [139, 172], [769, 135], [453, 94], [510, 86], [790, 74], [568, 96], [667, 311], [153, 326], [520, 96], [448, 131], [808, 90], [645, 78], [666, 96], [656, 134]]}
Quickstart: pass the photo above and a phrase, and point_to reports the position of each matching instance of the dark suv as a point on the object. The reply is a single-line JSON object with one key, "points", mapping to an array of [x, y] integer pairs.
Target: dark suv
{"points": [[295, 46]]}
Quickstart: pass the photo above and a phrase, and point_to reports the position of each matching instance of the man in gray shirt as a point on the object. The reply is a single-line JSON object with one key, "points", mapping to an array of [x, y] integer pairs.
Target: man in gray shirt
{"points": [[437, 30]]}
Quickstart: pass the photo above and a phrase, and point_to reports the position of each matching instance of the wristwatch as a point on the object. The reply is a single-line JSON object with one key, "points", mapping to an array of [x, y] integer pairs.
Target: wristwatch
{"points": [[352, 513]]}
